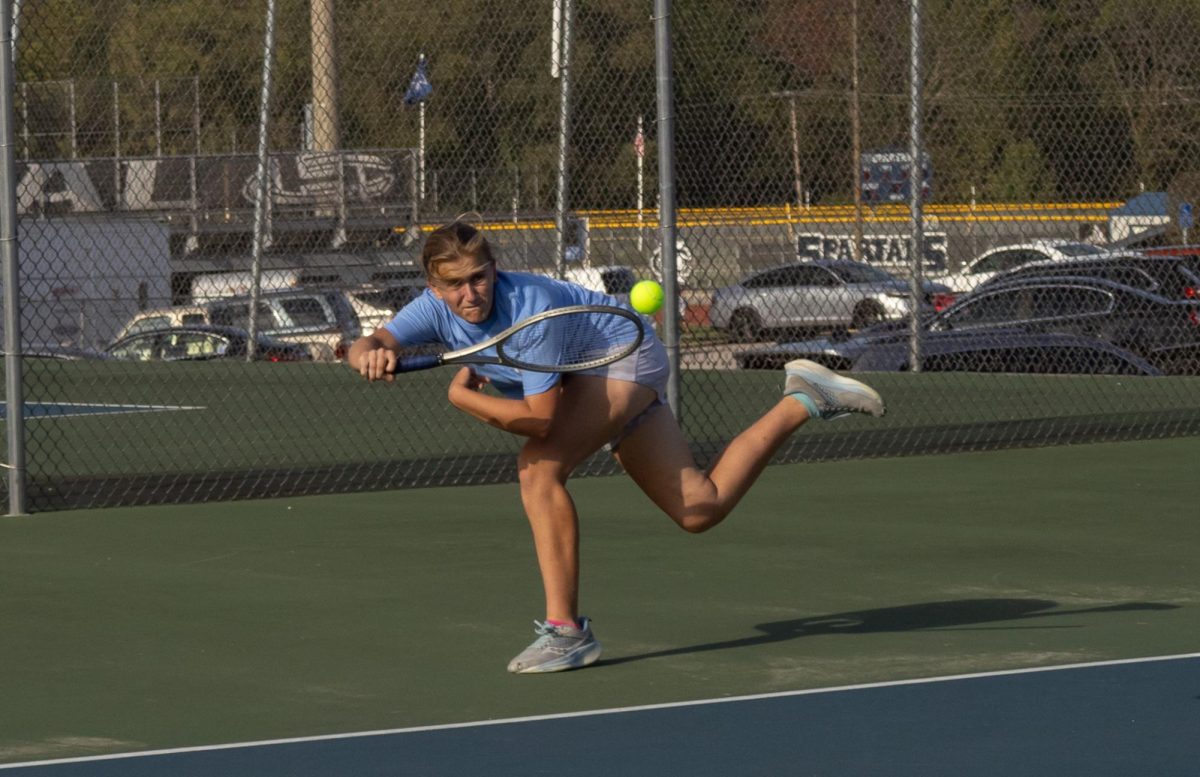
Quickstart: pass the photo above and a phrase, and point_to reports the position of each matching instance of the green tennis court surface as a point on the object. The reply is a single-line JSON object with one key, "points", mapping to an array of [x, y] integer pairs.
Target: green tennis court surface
{"points": [[173, 627]]}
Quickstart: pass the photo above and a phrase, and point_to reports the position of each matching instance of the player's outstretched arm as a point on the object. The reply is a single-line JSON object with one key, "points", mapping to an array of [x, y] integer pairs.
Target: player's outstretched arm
{"points": [[527, 417], [374, 356]]}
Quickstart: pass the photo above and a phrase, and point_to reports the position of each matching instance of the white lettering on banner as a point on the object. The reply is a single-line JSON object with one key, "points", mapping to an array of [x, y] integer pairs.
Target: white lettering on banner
{"points": [[876, 249], [140, 178], [301, 179], [65, 184], [363, 176]]}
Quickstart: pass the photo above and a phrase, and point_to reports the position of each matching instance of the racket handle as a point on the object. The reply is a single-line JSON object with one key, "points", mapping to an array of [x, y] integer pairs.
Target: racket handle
{"points": [[414, 363]]}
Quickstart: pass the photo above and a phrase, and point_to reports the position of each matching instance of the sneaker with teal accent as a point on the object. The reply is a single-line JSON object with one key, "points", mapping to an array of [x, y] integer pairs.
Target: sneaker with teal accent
{"points": [[557, 649], [828, 395]]}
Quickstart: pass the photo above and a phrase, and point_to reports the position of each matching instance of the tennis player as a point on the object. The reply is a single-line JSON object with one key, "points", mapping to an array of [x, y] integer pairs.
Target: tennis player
{"points": [[566, 418]]}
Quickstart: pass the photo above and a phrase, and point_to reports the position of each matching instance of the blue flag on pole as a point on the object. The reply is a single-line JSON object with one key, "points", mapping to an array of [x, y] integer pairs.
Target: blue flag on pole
{"points": [[419, 88]]}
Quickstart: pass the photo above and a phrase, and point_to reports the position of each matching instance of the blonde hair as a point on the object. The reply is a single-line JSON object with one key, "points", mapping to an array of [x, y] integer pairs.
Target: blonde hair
{"points": [[451, 242]]}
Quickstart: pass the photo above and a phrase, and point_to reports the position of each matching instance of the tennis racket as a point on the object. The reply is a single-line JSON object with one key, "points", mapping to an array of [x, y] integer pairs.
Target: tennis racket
{"points": [[570, 339]]}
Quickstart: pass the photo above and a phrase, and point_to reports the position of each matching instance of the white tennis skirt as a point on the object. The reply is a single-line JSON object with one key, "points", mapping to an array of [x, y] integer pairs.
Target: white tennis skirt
{"points": [[647, 366]]}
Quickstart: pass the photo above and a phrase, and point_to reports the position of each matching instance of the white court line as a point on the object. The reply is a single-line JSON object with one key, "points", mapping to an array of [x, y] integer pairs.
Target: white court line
{"points": [[611, 711], [114, 409]]}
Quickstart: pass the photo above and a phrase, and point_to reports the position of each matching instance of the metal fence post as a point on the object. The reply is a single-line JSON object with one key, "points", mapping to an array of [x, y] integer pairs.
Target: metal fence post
{"points": [[916, 181], [666, 193], [261, 191], [13, 374], [116, 105], [564, 136]]}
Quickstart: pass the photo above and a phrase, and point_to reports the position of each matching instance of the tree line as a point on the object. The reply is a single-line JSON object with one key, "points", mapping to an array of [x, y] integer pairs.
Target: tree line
{"points": [[1023, 99]]}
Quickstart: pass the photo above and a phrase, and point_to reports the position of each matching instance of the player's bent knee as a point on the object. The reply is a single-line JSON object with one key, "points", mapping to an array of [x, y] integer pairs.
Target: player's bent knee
{"points": [[698, 521], [697, 507], [534, 471]]}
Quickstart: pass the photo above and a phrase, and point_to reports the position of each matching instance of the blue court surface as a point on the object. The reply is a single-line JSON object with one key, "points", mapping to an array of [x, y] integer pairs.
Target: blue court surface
{"points": [[69, 409], [1132, 717]]}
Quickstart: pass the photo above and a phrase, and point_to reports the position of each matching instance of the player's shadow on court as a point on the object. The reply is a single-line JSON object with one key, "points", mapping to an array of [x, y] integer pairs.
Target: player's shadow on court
{"points": [[958, 614]]}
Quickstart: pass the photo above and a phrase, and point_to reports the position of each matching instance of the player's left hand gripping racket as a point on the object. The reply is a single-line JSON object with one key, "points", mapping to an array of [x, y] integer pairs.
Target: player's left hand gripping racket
{"points": [[570, 339]]}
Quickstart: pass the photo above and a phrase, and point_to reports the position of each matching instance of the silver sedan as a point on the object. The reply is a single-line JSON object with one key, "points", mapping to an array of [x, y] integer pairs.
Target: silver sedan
{"points": [[818, 294]]}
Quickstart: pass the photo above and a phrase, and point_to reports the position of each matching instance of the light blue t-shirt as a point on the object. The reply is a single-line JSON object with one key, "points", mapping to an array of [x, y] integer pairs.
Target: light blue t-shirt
{"points": [[516, 297]]}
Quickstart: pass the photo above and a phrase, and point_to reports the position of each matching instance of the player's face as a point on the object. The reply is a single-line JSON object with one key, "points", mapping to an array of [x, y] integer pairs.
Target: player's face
{"points": [[466, 285]]}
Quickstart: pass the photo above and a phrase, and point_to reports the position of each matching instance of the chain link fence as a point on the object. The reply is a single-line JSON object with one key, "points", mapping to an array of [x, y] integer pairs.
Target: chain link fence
{"points": [[179, 165]]}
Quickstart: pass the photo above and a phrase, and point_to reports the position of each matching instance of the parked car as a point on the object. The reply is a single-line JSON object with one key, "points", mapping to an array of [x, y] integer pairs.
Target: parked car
{"points": [[822, 293], [1171, 276], [202, 342], [377, 305], [398, 275], [222, 285], [613, 279], [1161, 330], [324, 321], [1007, 351], [992, 350], [56, 351], [1124, 315], [1007, 257], [1181, 359], [1172, 250], [384, 291], [838, 350]]}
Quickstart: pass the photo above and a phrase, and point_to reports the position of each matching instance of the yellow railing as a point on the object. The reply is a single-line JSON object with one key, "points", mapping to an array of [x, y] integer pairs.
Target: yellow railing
{"points": [[823, 214]]}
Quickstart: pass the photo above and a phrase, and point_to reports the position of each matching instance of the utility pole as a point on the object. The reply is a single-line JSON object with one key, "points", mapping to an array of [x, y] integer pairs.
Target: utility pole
{"points": [[797, 182], [325, 130], [325, 136]]}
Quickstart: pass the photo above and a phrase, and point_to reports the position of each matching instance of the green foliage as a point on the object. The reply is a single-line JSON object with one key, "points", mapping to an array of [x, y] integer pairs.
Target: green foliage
{"points": [[1018, 174], [1023, 98]]}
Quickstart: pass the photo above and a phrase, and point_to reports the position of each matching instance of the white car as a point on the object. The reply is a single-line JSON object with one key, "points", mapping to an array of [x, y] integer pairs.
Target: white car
{"points": [[614, 279], [377, 305], [1001, 258], [323, 320]]}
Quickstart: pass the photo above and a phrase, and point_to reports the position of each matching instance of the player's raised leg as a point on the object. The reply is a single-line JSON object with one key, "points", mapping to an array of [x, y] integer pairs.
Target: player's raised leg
{"points": [[827, 394], [656, 454]]}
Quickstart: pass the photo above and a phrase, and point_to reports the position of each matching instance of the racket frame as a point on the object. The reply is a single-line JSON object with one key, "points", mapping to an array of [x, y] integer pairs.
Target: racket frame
{"points": [[472, 354]]}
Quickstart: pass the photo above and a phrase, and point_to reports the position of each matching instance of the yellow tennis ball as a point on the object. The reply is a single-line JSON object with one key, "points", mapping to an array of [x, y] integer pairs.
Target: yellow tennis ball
{"points": [[646, 297]]}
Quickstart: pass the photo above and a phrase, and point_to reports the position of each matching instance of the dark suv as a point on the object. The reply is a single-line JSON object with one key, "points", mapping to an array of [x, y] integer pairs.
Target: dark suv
{"points": [[1170, 276], [1165, 331]]}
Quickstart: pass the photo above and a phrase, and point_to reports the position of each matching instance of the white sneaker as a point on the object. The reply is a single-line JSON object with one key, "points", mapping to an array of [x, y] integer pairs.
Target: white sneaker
{"points": [[557, 649], [830, 394]]}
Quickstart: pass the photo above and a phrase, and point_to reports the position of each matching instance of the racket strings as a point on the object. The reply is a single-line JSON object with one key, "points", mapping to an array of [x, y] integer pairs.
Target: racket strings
{"points": [[573, 341]]}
